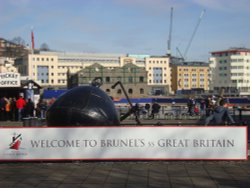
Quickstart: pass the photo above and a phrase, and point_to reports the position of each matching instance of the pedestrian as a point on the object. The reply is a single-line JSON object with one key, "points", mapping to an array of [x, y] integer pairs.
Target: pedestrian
{"points": [[190, 105], [202, 107], [13, 109], [147, 108], [29, 108], [196, 110], [20, 104], [220, 116], [155, 109], [209, 106], [41, 108], [7, 109], [2, 109]]}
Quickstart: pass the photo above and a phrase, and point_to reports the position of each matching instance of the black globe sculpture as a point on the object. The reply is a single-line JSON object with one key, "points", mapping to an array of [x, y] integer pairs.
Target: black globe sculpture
{"points": [[83, 106]]}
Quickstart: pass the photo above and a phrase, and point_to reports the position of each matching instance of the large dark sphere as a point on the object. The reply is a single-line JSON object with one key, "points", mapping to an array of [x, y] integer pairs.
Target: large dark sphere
{"points": [[83, 106]]}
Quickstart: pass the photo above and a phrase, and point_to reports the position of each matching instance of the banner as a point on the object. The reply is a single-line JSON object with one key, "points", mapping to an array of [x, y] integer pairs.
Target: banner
{"points": [[124, 143]]}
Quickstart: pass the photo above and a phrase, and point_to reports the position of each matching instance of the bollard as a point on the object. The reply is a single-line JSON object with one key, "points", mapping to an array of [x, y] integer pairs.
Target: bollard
{"points": [[34, 121], [26, 122]]}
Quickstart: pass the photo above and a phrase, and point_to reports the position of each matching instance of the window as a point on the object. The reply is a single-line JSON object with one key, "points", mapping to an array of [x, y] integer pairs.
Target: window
{"points": [[141, 91], [108, 79], [141, 79], [130, 91], [119, 91], [108, 90], [130, 79]]}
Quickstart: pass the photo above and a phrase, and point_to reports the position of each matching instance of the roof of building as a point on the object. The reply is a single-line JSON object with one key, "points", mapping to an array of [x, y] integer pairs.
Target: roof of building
{"points": [[231, 50], [191, 63]]}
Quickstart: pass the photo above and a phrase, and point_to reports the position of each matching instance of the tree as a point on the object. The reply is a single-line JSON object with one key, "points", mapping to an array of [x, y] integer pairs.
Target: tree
{"points": [[18, 40], [44, 47]]}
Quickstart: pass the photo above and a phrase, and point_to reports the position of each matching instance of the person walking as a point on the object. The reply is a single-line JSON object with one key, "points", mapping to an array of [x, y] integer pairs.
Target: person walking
{"points": [[20, 104]]}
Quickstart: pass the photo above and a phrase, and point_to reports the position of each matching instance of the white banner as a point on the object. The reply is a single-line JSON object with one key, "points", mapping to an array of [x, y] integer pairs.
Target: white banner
{"points": [[124, 143]]}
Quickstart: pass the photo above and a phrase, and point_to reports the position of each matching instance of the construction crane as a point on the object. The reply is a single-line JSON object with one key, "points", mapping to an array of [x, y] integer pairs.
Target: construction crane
{"points": [[179, 52], [193, 34], [170, 32]]}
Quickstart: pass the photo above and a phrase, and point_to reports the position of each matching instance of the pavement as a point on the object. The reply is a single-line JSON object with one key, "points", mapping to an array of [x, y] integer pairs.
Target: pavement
{"points": [[127, 174]]}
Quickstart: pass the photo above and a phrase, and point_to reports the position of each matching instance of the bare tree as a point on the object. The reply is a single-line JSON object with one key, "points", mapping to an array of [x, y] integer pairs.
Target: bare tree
{"points": [[18, 40]]}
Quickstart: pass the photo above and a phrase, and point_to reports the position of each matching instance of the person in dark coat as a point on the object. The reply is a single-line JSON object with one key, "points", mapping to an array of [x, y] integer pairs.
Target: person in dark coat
{"points": [[155, 109], [220, 116], [29, 108]]}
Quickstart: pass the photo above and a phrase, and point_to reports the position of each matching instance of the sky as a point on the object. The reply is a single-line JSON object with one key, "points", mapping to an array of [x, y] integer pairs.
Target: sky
{"points": [[129, 26]]}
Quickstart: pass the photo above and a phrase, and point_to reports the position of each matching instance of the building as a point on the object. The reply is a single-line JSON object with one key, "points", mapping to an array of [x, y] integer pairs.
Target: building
{"points": [[12, 84], [187, 76], [133, 78], [12, 50], [7, 65], [230, 71], [49, 69], [159, 74]]}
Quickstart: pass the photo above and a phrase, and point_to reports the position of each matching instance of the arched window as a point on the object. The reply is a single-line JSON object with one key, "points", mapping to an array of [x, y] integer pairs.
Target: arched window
{"points": [[119, 91], [130, 91], [141, 91], [108, 90]]}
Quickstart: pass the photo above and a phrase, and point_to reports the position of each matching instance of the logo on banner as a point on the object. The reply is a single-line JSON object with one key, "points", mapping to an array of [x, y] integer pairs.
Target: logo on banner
{"points": [[15, 148], [16, 141]]}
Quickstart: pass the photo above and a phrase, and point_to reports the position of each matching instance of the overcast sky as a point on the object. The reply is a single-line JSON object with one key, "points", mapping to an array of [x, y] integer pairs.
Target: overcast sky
{"points": [[128, 26]]}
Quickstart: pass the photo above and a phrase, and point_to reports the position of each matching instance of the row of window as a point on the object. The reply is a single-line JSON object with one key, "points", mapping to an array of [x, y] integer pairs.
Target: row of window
{"points": [[45, 81], [229, 54], [157, 81], [110, 79], [101, 60], [157, 62], [240, 81], [157, 75], [193, 86], [42, 59], [193, 75], [157, 68], [194, 80], [194, 70]]}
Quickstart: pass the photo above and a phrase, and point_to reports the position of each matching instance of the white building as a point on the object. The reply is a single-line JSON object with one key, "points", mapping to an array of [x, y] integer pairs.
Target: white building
{"points": [[230, 69]]}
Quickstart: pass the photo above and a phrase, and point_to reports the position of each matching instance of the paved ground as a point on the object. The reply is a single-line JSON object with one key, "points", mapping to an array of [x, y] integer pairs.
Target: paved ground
{"points": [[127, 174]]}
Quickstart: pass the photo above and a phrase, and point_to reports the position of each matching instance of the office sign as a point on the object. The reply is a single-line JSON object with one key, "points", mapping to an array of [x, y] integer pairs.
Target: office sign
{"points": [[10, 79], [124, 143]]}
